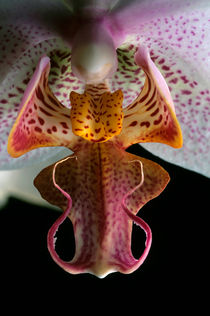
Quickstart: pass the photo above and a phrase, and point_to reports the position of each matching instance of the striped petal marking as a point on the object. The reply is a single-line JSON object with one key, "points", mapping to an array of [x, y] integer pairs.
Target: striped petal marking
{"points": [[151, 116], [97, 114], [42, 121], [101, 190]]}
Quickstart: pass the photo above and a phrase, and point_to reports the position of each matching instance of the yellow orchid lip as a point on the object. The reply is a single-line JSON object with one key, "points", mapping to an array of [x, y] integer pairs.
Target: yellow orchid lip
{"points": [[96, 118]]}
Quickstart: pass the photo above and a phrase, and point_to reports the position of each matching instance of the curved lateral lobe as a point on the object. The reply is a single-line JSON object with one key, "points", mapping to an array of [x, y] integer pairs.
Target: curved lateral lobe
{"points": [[140, 222], [151, 117], [51, 234], [42, 121], [107, 189]]}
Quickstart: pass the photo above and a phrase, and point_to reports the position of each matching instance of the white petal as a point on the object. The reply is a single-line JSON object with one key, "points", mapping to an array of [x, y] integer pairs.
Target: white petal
{"points": [[191, 95], [177, 34], [11, 92]]}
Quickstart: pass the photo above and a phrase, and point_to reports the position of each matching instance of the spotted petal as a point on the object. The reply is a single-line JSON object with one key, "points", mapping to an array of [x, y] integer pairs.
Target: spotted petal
{"points": [[101, 188], [153, 17], [11, 92], [151, 116], [43, 121], [41, 20], [26, 33], [177, 35]]}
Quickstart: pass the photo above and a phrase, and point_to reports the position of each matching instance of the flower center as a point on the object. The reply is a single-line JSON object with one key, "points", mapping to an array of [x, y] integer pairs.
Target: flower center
{"points": [[97, 114], [93, 54]]}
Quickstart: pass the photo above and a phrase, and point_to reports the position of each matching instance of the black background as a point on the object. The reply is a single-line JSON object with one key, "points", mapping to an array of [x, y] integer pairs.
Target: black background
{"points": [[175, 267]]}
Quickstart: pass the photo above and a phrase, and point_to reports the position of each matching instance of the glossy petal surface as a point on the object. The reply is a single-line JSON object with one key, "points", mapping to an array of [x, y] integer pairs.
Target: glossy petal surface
{"points": [[107, 187], [43, 121], [151, 116]]}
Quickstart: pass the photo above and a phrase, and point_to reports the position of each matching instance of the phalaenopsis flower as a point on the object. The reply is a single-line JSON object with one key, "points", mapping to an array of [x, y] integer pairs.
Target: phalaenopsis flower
{"points": [[96, 91]]}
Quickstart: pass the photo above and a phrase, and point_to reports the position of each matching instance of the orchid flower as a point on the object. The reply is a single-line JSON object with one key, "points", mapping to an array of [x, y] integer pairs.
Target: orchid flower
{"points": [[100, 187], [81, 42], [176, 33]]}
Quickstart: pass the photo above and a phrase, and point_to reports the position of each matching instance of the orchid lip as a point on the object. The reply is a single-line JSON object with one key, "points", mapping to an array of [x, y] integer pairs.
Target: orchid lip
{"points": [[104, 187], [103, 221]]}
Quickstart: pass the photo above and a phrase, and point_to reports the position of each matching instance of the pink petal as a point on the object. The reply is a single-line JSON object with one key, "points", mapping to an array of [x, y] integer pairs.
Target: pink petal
{"points": [[26, 33], [151, 116], [178, 39], [191, 94], [38, 21], [23, 26], [12, 90], [42, 121], [138, 17], [16, 42], [101, 190]]}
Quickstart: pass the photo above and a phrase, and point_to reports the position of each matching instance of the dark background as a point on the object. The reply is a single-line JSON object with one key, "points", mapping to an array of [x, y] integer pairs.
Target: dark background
{"points": [[174, 268]]}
